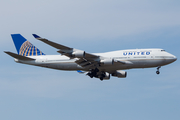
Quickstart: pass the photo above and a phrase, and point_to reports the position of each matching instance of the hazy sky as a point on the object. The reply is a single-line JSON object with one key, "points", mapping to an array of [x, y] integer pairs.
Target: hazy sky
{"points": [[34, 93]]}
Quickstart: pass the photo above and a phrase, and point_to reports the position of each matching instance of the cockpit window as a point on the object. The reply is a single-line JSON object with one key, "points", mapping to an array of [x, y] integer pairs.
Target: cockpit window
{"points": [[162, 50]]}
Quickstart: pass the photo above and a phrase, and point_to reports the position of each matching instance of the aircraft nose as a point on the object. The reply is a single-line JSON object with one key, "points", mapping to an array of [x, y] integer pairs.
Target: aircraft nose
{"points": [[172, 58], [175, 58]]}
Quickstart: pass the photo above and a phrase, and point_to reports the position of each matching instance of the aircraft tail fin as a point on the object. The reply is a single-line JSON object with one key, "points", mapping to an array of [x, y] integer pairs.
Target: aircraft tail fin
{"points": [[24, 47]]}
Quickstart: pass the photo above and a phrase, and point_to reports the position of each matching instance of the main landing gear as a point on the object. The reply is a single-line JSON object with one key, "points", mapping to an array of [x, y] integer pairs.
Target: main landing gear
{"points": [[93, 73], [157, 72], [102, 76]]}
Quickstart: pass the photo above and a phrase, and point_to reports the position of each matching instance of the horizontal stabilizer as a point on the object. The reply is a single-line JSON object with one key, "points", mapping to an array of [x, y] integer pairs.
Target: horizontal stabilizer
{"points": [[20, 57]]}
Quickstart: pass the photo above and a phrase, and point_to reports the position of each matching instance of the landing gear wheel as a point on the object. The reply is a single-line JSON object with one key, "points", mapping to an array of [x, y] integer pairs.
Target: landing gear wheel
{"points": [[157, 72], [101, 78], [91, 76]]}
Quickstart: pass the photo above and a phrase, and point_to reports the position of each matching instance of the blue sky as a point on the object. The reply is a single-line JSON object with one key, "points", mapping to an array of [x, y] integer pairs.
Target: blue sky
{"points": [[29, 92]]}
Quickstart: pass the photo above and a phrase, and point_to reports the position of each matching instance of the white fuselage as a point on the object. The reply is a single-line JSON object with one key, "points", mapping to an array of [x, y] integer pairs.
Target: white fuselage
{"points": [[133, 58]]}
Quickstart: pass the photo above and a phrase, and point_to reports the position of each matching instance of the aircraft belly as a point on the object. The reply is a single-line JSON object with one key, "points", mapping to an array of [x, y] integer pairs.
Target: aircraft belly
{"points": [[68, 66], [62, 66], [144, 63]]}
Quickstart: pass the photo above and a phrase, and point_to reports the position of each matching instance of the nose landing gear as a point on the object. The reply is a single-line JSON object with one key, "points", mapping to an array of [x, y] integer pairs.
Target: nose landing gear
{"points": [[157, 72]]}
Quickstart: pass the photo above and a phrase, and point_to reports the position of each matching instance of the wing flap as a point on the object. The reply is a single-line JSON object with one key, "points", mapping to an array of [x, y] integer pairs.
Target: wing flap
{"points": [[86, 63], [20, 57], [123, 62]]}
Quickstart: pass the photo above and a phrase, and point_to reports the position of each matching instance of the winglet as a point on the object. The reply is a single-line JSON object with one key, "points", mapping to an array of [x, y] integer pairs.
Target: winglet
{"points": [[36, 36]]}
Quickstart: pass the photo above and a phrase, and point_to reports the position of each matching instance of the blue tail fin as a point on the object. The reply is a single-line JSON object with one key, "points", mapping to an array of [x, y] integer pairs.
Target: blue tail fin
{"points": [[24, 47]]}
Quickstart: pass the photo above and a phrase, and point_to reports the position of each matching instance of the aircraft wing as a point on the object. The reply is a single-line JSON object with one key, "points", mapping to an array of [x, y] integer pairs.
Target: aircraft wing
{"points": [[53, 44], [85, 59]]}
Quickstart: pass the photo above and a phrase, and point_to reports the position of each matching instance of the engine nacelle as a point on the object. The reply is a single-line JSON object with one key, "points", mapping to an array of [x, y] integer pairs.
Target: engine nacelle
{"points": [[79, 54], [106, 76], [107, 61], [120, 74]]}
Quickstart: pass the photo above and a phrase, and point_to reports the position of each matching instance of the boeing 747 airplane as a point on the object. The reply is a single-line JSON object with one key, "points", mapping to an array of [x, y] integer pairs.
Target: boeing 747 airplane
{"points": [[98, 65]]}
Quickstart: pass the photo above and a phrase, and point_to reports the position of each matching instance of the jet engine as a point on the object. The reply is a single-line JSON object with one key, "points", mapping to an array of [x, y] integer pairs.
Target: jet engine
{"points": [[119, 74], [107, 61], [79, 54]]}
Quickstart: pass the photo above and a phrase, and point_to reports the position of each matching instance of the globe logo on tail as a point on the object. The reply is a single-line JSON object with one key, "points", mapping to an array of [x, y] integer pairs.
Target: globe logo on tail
{"points": [[27, 49]]}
